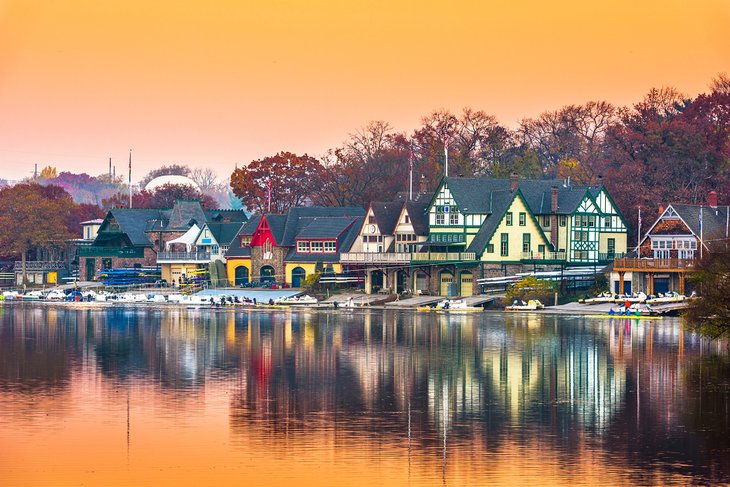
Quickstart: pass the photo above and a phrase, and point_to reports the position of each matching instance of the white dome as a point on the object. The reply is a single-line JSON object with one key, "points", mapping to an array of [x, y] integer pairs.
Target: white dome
{"points": [[170, 179]]}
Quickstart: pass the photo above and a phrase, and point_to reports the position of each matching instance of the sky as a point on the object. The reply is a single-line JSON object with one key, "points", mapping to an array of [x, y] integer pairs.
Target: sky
{"points": [[219, 83]]}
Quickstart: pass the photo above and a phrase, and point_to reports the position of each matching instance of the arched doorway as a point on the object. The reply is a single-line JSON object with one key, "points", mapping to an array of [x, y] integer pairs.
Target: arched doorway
{"points": [[267, 274], [401, 282], [241, 276], [447, 281], [376, 281], [466, 284], [298, 275], [420, 283]]}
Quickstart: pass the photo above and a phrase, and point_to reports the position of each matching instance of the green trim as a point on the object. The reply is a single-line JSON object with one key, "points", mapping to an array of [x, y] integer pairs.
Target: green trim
{"points": [[613, 203]]}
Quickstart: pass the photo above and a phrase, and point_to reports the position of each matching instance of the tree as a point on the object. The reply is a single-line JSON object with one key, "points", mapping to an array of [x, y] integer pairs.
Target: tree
{"points": [[528, 288], [284, 180], [720, 84], [33, 216], [709, 313], [161, 197], [48, 172]]}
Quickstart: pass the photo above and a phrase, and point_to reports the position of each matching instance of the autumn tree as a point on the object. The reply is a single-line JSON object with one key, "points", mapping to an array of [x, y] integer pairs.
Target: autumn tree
{"points": [[48, 172], [285, 180], [33, 216], [161, 197], [709, 313]]}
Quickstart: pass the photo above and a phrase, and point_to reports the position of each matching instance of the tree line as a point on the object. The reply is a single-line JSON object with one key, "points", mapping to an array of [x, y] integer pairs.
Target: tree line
{"points": [[666, 148]]}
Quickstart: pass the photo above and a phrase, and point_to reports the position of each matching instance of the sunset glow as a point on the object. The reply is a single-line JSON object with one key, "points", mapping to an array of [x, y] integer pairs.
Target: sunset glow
{"points": [[228, 82]]}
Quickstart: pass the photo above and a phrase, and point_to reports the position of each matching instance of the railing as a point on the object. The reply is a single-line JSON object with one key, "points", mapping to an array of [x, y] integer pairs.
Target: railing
{"points": [[560, 256], [653, 264], [375, 257], [123, 252], [443, 256], [184, 256], [35, 265], [610, 256]]}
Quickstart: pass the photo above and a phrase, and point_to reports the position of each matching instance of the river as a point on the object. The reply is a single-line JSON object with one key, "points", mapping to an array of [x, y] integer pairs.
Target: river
{"points": [[169, 396]]}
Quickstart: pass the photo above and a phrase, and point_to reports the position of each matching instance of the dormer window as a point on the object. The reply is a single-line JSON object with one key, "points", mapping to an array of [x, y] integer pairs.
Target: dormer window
{"points": [[303, 247]]}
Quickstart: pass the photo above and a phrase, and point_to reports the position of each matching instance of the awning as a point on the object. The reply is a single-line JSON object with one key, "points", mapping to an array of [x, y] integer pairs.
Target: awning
{"points": [[188, 238]]}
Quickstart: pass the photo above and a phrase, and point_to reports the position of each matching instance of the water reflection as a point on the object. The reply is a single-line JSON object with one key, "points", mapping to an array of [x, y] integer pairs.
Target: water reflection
{"points": [[444, 398]]}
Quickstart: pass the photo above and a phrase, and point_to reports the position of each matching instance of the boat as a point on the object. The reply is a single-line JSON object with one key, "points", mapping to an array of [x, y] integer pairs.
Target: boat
{"points": [[667, 298], [451, 305], [628, 317], [33, 296], [56, 295], [531, 305], [604, 297], [639, 297], [297, 300]]}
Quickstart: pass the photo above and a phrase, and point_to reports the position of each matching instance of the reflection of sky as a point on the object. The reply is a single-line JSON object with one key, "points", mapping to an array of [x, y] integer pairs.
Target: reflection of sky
{"points": [[445, 379]]}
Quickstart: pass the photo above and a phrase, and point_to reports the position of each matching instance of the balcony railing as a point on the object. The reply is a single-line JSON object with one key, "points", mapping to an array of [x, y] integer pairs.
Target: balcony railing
{"points": [[375, 258], [541, 256], [183, 257], [37, 265], [122, 252], [653, 264], [443, 257]]}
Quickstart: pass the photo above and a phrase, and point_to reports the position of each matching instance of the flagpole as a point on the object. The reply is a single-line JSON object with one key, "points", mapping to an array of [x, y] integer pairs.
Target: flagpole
{"points": [[130, 178], [638, 237], [446, 155], [410, 172], [701, 234]]}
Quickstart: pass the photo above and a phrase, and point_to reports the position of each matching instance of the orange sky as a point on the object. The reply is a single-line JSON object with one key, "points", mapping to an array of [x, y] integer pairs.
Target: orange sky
{"points": [[223, 82]]}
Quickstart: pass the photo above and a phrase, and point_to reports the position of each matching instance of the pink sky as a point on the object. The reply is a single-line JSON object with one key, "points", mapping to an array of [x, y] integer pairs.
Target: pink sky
{"points": [[218, 83]]}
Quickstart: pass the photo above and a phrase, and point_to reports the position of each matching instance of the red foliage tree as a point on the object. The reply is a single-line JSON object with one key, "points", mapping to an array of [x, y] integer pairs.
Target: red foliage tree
{"points": [[291, 180]]}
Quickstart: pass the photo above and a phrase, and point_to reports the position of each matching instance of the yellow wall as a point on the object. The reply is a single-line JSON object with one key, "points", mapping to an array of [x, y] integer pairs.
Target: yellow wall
{"points": [[172, 272], [309, 268], [620, 242], [515, 232], [232, 264]]}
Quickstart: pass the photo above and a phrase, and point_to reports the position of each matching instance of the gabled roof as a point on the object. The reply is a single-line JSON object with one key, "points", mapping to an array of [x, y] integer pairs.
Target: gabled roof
{"points": [[132, 222], [386, 215], [325, 227], [224, 233], [277, 224], [224, 216], [248, 228], [298, 218], [501, 201], [417, 211], [344, 243], [714, 223], [184, 214]]}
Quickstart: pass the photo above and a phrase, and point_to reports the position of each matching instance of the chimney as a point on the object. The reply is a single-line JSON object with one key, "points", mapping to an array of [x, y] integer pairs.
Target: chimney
{"points": [[661, 210], [599, 181], [423, 185], [554, 217], [712, 199], [513, 179]]}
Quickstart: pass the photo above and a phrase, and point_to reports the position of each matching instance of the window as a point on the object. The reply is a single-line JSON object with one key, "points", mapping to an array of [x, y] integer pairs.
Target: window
{"points": [[562, 219], [371, 218], [591, 221], [106, 263], [406, 219], [541, 249], [526, 247], [490, 248], [523, 219], [316, 247], [330, 247], [268, 247], [504, 245], [214, 249], [509, 218], [607, 222], [611, 246], [303, 247], [546, 221], [453, 218], [440, 218]]}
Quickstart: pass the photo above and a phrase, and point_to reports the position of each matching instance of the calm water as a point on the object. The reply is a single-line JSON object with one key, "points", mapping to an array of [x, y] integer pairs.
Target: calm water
{"points": [[140, 396]]}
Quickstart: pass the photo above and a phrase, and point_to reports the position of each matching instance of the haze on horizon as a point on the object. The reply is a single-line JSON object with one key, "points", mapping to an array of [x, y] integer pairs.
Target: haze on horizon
{"points": [[227, 82]]}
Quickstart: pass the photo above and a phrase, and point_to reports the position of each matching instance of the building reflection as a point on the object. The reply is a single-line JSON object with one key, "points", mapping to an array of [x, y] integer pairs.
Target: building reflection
{"points": [[431, 380]]}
